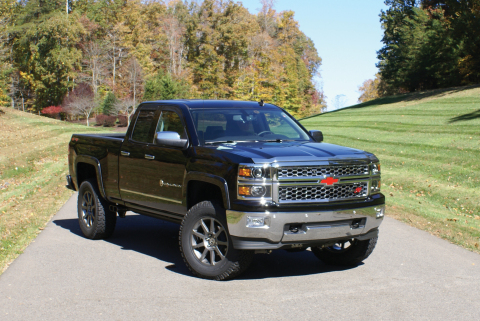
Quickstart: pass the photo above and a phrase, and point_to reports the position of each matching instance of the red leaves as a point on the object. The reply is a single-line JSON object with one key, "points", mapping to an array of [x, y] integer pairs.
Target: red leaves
{"points": [[52, 110]]}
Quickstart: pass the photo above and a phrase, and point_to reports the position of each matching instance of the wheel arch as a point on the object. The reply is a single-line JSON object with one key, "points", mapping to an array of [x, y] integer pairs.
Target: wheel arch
{"points": [[89, 167], [202, 186]]}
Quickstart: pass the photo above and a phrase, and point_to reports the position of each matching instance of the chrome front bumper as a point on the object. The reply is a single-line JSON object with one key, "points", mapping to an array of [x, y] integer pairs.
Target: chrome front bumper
{"points": [[298, 228]]}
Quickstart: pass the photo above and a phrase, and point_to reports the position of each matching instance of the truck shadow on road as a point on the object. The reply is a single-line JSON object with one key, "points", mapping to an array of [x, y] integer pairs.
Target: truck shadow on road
{"points": [[159, 239]]}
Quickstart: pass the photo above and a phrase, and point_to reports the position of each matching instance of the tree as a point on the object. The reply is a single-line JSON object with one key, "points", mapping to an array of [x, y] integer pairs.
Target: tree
{"points": [[135, 79], [80, 101], [108, 104], [339, 101], [429, 44], [164, 87], [174, 31], [45, 53], [125, 107], [94, 64], [115, 50], [202, 49], [371, 89]]}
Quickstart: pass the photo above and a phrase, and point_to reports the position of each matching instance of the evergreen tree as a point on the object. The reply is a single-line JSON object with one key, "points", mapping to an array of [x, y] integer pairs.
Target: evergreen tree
{"points": [[108, 104], [164, 87]]}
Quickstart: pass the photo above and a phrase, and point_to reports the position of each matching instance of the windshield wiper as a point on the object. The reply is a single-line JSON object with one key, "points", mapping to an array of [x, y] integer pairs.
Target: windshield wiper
{"points": [[278, 140], [220, 142]]}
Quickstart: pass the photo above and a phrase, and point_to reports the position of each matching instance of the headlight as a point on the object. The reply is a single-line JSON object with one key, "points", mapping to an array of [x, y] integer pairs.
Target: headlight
{"points": [[255, 172], [375, 188]]}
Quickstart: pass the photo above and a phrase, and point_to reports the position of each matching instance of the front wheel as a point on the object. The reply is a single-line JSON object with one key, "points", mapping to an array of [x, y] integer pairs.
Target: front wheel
{"points": [[94, 216], [206, 246], [346, 253]]}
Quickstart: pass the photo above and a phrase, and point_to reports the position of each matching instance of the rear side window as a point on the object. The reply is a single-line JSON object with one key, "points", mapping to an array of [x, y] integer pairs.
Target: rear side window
{"points": [[170, 121], [142, 131]]}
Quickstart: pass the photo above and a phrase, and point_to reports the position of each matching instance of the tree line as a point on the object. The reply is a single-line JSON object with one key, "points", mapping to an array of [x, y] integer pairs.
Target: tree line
{"points": [[427, 44], [108, 55]]}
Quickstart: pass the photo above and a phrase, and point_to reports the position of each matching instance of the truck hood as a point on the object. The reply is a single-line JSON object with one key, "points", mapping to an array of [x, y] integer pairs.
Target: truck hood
{"points": [[268, 152]]}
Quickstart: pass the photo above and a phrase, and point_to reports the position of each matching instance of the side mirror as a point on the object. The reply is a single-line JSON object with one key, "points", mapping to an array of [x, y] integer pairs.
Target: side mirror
{"points": [[170, 139], [317, 135]]}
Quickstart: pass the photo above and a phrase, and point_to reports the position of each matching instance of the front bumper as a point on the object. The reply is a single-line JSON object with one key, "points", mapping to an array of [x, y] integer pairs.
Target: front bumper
{"points": [[295, 229]]}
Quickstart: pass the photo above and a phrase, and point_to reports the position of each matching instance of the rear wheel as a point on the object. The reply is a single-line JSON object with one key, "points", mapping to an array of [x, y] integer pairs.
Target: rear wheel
{"points": [[346, 253], [206, 246], [94, 216]]}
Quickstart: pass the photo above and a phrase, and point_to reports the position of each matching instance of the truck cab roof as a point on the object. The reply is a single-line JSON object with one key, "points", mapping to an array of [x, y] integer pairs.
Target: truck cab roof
{"points": [[200, 103]]}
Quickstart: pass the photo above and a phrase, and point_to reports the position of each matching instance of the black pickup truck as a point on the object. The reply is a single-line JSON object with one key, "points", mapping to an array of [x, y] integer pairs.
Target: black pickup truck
{"points": [[239, 177]]}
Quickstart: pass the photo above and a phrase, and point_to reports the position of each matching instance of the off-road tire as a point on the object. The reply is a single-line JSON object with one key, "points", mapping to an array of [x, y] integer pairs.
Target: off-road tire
{"points": [[94, 216], [351, 256], [234, 262]]}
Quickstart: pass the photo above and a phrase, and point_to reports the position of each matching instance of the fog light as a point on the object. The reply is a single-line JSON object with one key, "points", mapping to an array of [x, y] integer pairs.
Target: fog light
{"points": [[258, 191], [257, 221], [380, 212], [375, 186]]}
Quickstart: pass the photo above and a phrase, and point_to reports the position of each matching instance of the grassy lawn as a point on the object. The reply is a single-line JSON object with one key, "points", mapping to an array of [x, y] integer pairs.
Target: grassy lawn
{"points": [[33, 165], [429, 147], [428, 143]]}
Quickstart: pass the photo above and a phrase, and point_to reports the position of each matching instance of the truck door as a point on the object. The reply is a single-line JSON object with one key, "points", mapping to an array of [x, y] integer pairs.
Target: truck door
{"points": [[151, 175]]}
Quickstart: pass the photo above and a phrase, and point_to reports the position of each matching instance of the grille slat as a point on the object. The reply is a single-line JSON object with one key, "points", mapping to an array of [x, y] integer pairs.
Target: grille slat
{"points": [[321, 192], [317, 171]]}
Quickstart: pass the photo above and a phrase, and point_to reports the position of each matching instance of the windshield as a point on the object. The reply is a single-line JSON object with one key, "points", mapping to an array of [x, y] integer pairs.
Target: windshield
{"points": [[240, 125]]}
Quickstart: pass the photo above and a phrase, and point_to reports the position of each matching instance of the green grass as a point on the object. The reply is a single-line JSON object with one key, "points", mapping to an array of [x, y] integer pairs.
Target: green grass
{"points": [[428, 143], [429, 147], [33, 165]]}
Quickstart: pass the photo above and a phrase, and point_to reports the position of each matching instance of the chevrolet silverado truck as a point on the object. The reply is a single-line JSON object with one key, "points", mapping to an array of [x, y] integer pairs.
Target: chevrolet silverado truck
{"points": [[239, 177]]}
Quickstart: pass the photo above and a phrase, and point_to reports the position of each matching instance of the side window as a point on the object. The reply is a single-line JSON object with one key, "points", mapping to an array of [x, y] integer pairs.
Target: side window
{"points": [[143, 125], [170, 122]]}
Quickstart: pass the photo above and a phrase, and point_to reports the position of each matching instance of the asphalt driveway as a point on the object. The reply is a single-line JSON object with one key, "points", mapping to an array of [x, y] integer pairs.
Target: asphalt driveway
{"points": [[139, 274]]}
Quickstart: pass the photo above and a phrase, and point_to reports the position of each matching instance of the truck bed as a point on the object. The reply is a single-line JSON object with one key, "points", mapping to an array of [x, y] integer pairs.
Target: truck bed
{"points": [[106, 149]]}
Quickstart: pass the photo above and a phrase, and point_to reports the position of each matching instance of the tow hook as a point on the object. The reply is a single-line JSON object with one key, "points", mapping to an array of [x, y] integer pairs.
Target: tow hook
{"points": [[295, 228], [358, 223]]}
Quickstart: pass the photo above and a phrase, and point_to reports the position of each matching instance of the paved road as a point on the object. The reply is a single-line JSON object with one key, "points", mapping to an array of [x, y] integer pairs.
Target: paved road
{"points": [[139, 274]]}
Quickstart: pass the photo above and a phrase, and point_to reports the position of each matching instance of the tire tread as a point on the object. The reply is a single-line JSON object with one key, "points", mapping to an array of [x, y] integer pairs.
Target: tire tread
{"points": [[234, 268]]}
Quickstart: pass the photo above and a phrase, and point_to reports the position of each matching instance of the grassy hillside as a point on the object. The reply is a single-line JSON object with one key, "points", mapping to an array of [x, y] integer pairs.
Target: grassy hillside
{"points": [[33, 165], [429, 147]]}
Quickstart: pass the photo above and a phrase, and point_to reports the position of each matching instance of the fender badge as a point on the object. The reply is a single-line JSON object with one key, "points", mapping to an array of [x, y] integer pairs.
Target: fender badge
{"points": [[162, 184]]}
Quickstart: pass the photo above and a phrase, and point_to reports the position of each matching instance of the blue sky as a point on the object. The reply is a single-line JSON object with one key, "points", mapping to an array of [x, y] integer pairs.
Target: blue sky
{"points": [[347, 35]]}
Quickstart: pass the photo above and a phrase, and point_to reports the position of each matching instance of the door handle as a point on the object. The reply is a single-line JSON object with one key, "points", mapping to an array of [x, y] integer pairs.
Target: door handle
{"points": [[149, 156], [125, 153]]}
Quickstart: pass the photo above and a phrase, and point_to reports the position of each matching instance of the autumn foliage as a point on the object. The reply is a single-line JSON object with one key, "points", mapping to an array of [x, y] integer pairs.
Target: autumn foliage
{"points": [[207, 49], [52, 111]]}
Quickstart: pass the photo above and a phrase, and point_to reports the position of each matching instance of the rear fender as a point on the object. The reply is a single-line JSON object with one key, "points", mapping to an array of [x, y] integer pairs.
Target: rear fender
{"points": [[98, 170]]}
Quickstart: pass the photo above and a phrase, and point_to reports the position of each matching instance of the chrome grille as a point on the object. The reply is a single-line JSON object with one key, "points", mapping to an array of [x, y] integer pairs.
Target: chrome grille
{"points": [[313, 171], [321, 192]]}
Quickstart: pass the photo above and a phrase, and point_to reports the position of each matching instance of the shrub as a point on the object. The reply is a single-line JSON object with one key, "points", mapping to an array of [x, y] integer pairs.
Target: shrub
{"points": [[52, 111], [105, 120], [110, 121], [122, 121], [100, 119]]}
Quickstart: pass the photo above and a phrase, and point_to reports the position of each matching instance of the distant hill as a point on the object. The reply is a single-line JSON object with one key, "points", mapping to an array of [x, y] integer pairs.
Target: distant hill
{"points": [[429, 147]]}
